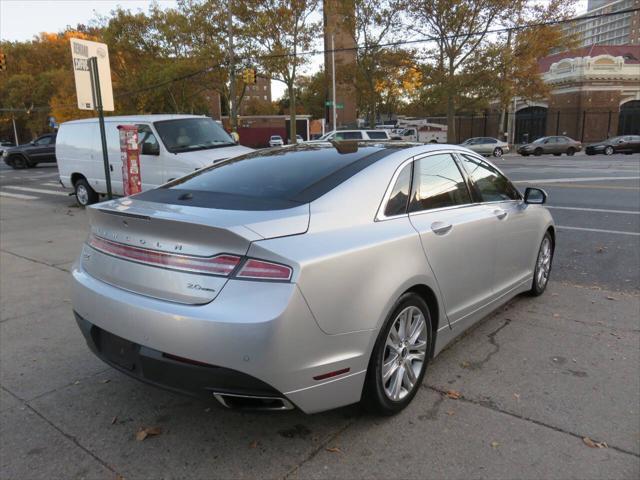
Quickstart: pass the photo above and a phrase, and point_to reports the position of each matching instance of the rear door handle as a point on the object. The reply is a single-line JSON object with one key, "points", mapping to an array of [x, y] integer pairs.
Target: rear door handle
{"points": [[440, 228], [501, 214], [111, 167]]}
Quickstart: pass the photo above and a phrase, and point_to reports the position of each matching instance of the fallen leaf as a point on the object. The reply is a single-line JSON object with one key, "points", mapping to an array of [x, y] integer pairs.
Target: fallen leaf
{"points": [[453, 394], [601, 249], [106, 380], [119, 477], [495, 444], [77, 382], [145, 432], [465, 364], [593, 444], [333, 450], [516, 396], [253, 444], [450, 412], [611, 298], [207, 410], [114, 420], [556, 315]]}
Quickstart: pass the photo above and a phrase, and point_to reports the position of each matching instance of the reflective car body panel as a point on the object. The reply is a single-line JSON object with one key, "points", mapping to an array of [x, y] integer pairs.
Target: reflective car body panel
{"points": [[350, 260]]}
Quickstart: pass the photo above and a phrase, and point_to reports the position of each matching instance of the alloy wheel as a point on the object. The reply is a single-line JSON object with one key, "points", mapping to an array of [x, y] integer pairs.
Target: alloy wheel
{"points": [[404, 353], [497, 152], [608, 150], [544, 263], [82, 195]]}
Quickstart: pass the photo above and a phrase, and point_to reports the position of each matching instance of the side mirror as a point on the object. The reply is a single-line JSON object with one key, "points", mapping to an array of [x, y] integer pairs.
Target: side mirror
{"points": [[32, 142], [535, 196], [150, 149]]}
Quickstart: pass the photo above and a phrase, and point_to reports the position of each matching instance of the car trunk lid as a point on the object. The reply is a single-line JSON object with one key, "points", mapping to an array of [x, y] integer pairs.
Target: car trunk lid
{"points": [[177, 253]]}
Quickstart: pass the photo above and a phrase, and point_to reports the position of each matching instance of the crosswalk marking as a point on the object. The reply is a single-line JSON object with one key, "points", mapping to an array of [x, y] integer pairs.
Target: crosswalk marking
{"points": [[37, 190], [17, 196]]}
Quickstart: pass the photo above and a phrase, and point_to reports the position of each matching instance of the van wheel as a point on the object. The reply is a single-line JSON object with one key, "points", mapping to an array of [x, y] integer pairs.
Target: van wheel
{"points": [[85, 195], [399, 358]]}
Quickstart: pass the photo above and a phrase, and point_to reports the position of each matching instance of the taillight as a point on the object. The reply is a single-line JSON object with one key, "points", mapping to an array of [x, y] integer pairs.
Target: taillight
{"points": [[218, 265], [259, 269]]}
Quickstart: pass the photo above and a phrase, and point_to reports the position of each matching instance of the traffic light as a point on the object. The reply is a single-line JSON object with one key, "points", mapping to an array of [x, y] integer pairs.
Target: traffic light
{"points": [[249, 76], [3, 61]]}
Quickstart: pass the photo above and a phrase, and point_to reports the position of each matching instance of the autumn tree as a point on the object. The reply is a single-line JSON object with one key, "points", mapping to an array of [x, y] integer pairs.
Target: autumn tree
{"points": [[374, 23], [459, 29], [282, 30]]}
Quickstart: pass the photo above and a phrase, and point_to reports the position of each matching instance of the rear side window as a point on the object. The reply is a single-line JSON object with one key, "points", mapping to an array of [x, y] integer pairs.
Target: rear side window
{"points": [[377, 135], [348, 136], [489, 184], [437, 183], [397, 203]]}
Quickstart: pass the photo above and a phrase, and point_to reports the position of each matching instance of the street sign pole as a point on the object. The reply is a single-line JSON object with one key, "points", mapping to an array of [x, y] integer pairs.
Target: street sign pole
{"points": [[97, 102]]}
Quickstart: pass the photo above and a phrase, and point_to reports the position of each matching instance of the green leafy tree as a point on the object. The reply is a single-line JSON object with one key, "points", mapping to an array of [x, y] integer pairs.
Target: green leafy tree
{"points": [[281, 29]]}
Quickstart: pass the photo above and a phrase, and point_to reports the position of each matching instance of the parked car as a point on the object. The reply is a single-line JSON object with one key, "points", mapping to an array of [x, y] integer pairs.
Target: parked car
{"points": [[486, 146], [4, 145], [311, 276], [27, 155], [276, 141], [299, 139], [170, 146], [423, 133], [370, 134], [555, 145], [624, 144]]}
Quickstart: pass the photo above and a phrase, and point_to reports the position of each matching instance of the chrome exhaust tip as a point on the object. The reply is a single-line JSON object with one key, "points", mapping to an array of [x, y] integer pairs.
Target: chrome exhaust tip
{"points": [[252, 402]]}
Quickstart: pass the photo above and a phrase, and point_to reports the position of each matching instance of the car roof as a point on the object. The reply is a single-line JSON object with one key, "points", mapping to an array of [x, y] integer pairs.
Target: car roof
{"points": [[134, 118]]}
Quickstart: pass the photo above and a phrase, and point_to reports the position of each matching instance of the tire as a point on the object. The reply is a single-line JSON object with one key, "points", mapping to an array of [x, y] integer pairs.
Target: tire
{"points": [[608, 150], [390, 396], [497, 152], [19, 162], [524, 154], [85, 195], [543, 266], [571, 151], [537, 152]]}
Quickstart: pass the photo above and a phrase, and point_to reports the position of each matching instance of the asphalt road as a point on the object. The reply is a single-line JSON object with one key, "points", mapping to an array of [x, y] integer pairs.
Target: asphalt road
{"points": [[534, 379]]}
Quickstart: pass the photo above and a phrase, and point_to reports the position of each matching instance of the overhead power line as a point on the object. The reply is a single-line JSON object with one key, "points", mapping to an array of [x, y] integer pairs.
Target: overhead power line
{"points": [[398, 43]]}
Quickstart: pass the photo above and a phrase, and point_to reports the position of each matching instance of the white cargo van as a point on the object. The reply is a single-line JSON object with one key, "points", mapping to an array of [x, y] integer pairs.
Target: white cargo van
{"points": [[170, 146]]}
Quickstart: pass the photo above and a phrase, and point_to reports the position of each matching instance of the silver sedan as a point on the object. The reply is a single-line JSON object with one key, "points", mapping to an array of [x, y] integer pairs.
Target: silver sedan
{"points": [[486, 146], [313, 277]]}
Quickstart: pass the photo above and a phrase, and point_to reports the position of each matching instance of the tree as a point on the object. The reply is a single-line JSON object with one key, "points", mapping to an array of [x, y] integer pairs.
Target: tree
{"points": [[281, 29], [375, 22], [459, 29]]}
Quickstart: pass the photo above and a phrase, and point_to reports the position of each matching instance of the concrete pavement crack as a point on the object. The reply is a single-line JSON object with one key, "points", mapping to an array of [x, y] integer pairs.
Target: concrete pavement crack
{"points": [[322, 446], [68, 436], [492, 406], [40, 262]]}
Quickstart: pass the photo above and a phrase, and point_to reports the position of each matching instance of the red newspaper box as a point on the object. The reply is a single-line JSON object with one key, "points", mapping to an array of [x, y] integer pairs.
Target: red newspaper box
{"points": [[130, 156]]}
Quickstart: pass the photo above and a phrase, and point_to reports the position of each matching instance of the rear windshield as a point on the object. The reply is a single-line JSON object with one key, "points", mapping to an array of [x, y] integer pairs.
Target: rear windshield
{"points": [[268, 179], [377, 135]]}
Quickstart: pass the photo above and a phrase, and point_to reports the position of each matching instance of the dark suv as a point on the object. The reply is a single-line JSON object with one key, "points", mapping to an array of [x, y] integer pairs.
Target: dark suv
{"points": [[40, 150]]}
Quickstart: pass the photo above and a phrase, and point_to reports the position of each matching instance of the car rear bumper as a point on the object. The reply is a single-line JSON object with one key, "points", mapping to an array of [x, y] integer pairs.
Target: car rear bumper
{"points": [[256, 338]]}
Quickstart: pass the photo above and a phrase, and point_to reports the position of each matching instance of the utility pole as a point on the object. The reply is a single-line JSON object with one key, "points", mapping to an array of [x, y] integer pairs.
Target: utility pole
{"points": [[233, 114], [15, 130], [503, 127], [333, 81]]}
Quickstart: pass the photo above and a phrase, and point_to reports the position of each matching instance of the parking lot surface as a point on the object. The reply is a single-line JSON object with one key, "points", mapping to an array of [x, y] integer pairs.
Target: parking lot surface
{"points": [[545, 387]]}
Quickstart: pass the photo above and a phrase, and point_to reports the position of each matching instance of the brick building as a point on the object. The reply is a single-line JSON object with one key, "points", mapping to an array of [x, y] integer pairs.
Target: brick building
{"points": [[595, 93]]}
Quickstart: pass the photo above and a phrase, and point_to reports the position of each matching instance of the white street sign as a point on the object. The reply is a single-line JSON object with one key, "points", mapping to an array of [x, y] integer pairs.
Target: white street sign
{"points": [[81, 51]]}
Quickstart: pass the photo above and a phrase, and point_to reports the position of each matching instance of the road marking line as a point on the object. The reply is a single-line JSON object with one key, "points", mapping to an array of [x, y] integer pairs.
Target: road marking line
{"points": [[36, 190], [600, 210], [50, 184], [617, 232], [574, 179], [592, 186], [18, 196]]}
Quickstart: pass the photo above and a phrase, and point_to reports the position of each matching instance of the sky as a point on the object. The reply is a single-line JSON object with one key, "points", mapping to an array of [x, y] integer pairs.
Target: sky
{"points": [[20, 20]]}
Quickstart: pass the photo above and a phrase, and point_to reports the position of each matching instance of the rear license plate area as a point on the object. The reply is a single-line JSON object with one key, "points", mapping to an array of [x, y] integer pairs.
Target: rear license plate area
{"points": [[118, 350]]}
